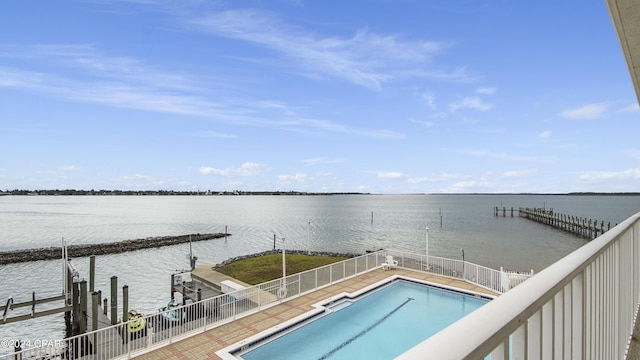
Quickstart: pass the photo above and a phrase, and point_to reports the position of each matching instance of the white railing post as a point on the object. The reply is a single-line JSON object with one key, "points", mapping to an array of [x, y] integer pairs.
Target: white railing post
{"points": [[330, 274]]}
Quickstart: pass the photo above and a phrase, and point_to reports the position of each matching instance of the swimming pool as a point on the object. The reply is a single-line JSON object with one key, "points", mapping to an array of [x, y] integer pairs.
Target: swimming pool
{"points": [[381, 324]]}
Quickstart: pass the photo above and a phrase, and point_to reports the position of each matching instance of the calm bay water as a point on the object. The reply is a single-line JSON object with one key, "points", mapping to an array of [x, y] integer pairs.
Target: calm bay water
{"points": [[350, 223]]}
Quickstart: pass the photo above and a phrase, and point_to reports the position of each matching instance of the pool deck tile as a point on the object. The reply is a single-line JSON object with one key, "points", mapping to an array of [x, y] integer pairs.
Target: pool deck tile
{"points": [[205, 345]]}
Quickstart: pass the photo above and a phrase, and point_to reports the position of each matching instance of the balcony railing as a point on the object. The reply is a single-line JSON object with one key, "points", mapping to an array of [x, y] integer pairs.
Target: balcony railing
{"points": [[581, 307]]}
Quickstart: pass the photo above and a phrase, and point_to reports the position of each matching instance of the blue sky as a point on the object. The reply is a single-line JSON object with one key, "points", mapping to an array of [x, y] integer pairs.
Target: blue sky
{"points": [[380, 96]]}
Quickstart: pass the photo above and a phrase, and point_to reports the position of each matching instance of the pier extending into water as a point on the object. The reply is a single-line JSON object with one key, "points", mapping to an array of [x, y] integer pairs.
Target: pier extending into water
{"points": [[587, 228]]}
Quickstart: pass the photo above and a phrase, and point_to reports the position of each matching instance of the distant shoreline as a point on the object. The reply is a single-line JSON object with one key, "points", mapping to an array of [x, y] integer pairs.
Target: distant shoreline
{"points": [[162, 193], [271, 193]]}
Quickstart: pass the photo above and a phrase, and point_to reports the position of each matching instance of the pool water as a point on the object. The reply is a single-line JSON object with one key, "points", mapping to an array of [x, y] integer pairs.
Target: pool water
{"points": [[380, 325]]}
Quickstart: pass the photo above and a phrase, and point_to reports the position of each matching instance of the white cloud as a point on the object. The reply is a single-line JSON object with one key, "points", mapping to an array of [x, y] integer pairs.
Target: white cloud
{"points": [[346, 129], [246, 169], [634, 154], [368, 59], [390, 175], [69, 167], [213, 135], [631, 108], [521, 173], [599, 176], [438, 178], [140, 181], [465, 186], [316, 161], [296, 177], [470, 102], [545, 134], [429, 99], [504, 156], [423, 122], [134, 84], [485, 91], [590, 111]]}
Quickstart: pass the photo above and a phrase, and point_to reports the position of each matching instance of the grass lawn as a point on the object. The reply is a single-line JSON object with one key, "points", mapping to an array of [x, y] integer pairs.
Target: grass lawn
{"points": [[257, 270]]}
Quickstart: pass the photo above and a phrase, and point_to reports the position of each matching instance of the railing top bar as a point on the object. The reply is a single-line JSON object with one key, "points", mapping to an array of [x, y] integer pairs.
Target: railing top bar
{"points": [[480, 332]]}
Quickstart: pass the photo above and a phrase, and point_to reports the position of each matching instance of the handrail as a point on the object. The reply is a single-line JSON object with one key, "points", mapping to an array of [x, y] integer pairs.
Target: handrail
{"points": [[561, 310]]}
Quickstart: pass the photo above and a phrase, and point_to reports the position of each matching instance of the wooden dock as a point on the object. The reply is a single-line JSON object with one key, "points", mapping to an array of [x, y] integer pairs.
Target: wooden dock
{"points": [[587, 228], [195, 289], [85, 309]]}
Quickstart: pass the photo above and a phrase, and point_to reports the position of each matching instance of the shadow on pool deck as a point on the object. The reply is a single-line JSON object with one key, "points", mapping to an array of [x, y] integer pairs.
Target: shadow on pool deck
{"points": [[205, 345]]}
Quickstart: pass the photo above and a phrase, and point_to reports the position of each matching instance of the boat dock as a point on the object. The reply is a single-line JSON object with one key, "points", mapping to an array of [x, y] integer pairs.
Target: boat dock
{"points": [[201, 283], [583, 227], [95, 327]]}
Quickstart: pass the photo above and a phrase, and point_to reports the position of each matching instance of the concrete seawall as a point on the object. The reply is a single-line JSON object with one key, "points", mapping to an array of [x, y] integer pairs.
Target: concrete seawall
{"points": [[18, 256]]}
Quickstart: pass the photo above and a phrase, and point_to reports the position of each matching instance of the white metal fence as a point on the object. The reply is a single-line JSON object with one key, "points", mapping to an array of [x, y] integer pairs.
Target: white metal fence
{"points": [[170, 326], [582, 307], [499, 281]]}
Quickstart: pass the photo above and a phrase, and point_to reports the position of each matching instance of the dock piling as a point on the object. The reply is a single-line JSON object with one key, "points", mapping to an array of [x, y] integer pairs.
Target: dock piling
{"points": [[184, 293], [83, 307], [125, 313], [114, 299], [95, 302], [68, 324], [75, 317], [173, 281], [92, 273], [125, 303]]}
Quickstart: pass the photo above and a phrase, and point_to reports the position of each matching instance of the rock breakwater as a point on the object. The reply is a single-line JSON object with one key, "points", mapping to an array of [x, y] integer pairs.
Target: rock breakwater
{"points": [[82, 250]]}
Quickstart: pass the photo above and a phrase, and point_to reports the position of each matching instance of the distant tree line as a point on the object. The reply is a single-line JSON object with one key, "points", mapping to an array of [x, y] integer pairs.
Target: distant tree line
{"points": [[161, 192], [241, 192]]}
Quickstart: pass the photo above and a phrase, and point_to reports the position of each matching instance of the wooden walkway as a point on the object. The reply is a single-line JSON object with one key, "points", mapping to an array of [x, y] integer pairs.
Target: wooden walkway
{"points": [[206, 344], [583, 227]]}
